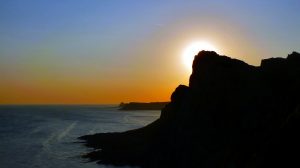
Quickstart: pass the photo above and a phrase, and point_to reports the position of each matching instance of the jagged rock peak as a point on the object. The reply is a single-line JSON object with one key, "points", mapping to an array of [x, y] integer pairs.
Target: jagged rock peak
{"points": [[291, 60], [209, 66], [212, 56], [294, 56]]}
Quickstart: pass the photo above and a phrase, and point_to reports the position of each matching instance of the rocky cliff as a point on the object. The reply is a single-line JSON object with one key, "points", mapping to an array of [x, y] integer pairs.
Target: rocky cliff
{"points": [[231, 115]]}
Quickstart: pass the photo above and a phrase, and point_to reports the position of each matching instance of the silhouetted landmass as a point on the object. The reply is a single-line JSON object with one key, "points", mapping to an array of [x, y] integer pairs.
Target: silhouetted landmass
{"points": [[231, 115], [143, 106]]}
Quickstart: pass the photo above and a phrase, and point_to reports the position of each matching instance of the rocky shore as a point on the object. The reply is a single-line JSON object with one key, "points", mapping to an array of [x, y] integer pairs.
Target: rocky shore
{"points": [[231, 115]]}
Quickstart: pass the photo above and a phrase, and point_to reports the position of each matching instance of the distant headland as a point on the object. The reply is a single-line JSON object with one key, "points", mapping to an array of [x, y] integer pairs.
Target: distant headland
{"points": [[231, 115], [142, 106]]}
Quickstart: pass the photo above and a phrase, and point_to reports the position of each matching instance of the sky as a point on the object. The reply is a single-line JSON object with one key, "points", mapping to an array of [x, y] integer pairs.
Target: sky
{"points": [[112, 51]]}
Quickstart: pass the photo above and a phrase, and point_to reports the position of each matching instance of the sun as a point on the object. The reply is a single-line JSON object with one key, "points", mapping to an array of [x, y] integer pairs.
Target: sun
{"points": [[193, 49]]}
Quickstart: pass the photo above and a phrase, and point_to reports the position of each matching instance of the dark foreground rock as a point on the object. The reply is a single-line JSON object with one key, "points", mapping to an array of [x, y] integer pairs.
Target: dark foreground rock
{"points": [[231, 115], [142, 106]]}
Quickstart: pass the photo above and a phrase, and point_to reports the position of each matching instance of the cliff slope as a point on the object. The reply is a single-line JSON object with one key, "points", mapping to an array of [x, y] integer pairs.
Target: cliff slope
{"points": [[231, 115]]}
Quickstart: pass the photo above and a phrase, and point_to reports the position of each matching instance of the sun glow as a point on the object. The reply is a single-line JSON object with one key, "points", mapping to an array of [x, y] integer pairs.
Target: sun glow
{"points": [[192, 49]]}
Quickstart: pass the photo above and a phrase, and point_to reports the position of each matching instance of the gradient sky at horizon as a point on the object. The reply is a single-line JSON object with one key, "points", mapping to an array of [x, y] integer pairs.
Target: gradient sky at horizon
{"points": [[108, 51]]}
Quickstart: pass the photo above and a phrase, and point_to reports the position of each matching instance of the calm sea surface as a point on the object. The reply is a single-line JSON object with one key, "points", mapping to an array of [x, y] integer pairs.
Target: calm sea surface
{"points": [[43, 136]]}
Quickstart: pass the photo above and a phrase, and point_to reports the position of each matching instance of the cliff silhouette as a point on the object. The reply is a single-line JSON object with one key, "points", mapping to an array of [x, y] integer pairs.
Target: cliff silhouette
{"points": [[231, 115]]}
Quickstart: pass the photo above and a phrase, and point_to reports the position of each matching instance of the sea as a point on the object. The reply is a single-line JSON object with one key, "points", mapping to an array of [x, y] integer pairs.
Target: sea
{"points": [[45, 136]]}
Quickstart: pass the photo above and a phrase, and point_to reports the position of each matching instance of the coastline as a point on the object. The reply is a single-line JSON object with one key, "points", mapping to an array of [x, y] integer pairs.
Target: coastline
{"points": [[142, 106]]}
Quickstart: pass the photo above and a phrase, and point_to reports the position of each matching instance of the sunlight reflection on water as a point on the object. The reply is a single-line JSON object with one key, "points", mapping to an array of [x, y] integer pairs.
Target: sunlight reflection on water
{"points": [[43, 136]]}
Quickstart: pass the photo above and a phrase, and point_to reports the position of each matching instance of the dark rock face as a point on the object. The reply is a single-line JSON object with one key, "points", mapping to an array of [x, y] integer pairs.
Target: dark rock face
{"points": [[231, 115]]}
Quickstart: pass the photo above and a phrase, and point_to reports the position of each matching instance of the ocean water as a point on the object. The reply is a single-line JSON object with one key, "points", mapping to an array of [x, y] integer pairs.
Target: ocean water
{"points": [[44, 136]]}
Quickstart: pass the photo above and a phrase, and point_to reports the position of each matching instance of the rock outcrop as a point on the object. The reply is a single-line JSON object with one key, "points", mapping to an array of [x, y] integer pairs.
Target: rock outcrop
{"points": [[231, 115], [142, 106]]}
